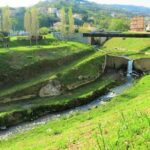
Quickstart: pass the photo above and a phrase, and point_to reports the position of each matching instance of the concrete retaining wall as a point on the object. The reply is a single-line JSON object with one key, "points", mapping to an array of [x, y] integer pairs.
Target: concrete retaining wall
{"points": [[77, 37], [142, 64], [116, 62]]}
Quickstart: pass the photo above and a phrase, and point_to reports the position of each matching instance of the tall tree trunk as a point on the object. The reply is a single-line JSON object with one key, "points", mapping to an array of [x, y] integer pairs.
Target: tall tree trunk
{"points": [[30, 41], [36, 40]]}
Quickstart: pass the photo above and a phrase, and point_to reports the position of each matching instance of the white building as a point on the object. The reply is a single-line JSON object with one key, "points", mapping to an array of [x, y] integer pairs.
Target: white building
{"points": [[148, 28], [147, 24], [78, 16]]}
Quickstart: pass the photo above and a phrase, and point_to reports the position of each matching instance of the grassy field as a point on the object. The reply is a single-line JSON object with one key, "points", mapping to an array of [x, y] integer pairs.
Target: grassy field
{"points": [[130, 47], [120, 124]]}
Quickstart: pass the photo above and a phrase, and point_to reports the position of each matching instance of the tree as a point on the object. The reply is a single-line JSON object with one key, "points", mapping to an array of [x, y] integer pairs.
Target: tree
{"points": [[43, 31], [6, 25], [6, 21], [19, 20], [35, 23], [71, 21], [63, 21], [85, 28], [104, 23], [119, 25], [46, 20], [27, 24], [0, 23]]}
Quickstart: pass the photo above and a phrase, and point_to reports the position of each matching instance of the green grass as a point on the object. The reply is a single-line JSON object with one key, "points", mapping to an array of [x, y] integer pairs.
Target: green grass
{"points": [[20, 55], [90, 67], [74, 69], [121, 123], [67, 97], [67, 74], [131, 47], [17, 58], [21, 41], [43, 77]]}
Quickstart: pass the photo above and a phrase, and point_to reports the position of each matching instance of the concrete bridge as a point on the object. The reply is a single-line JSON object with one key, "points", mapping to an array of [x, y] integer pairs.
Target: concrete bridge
{"points": [[98, 38]]}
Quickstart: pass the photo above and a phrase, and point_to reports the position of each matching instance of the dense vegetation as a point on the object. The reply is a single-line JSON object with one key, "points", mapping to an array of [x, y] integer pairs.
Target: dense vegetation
{"points": [[104, 18]]}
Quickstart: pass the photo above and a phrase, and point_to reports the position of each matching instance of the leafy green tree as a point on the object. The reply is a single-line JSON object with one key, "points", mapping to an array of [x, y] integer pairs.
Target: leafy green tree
{"points": [[35, 23], [6, 25], [0, 23], [6, 20], [104, 23], [71, 21], [18, 22], [44, 31], [46, 20], [118, 24], [63, 21], [14, 23], [85, 28], [27, 24]]}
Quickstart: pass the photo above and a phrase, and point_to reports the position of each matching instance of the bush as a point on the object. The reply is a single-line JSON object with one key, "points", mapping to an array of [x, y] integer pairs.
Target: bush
{"points": [[44, 31], [20, 38]]}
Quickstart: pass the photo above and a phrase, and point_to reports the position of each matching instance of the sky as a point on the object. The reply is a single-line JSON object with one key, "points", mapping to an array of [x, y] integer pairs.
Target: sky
{"points": [[26, 3]]}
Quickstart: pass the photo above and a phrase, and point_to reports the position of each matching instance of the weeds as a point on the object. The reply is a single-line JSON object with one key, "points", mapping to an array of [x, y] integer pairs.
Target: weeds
{"points": [[130, 135]]}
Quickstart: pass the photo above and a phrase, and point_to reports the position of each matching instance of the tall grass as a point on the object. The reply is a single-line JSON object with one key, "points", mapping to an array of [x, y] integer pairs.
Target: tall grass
{"points": [[133, 130]]}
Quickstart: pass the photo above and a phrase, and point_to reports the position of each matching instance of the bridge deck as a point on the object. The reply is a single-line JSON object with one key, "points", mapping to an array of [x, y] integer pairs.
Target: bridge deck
{"points": [[110, 34]]}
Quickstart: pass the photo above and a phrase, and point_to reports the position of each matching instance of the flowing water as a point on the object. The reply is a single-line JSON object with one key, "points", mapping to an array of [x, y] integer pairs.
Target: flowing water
{"points": [[130, 68], [99, 101]]}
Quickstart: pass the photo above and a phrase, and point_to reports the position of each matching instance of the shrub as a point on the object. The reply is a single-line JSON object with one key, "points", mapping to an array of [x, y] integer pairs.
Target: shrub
{"points": [[44, 31]]}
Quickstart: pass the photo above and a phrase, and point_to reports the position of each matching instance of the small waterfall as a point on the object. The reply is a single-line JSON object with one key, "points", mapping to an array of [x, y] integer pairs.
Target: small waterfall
{"points": [[130, 68]]}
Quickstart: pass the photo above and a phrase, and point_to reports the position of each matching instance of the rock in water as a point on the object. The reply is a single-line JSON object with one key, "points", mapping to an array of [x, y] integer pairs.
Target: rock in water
{"points": [[53, 88]]}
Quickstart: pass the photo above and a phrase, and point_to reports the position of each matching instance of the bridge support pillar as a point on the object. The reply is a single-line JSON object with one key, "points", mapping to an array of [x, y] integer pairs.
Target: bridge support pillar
{"points": [[92, 41]]}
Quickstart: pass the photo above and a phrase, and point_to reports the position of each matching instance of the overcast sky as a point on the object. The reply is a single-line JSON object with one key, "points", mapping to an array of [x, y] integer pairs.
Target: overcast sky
{"points": [[18, 3]]}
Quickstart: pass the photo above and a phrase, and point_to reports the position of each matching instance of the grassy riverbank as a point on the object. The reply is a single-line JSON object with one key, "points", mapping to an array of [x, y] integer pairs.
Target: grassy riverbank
{"points": [[131, 47], [128, 115]]}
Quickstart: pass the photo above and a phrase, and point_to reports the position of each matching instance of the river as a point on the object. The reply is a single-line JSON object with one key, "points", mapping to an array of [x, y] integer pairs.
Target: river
{"points": [[99, 101]]}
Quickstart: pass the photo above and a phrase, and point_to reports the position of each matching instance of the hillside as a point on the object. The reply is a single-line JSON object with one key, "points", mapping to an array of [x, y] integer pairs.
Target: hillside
{"points": [[57, 76], [132, 48], [88, 6], [139, 10], [82, 8], [68, 64]]}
